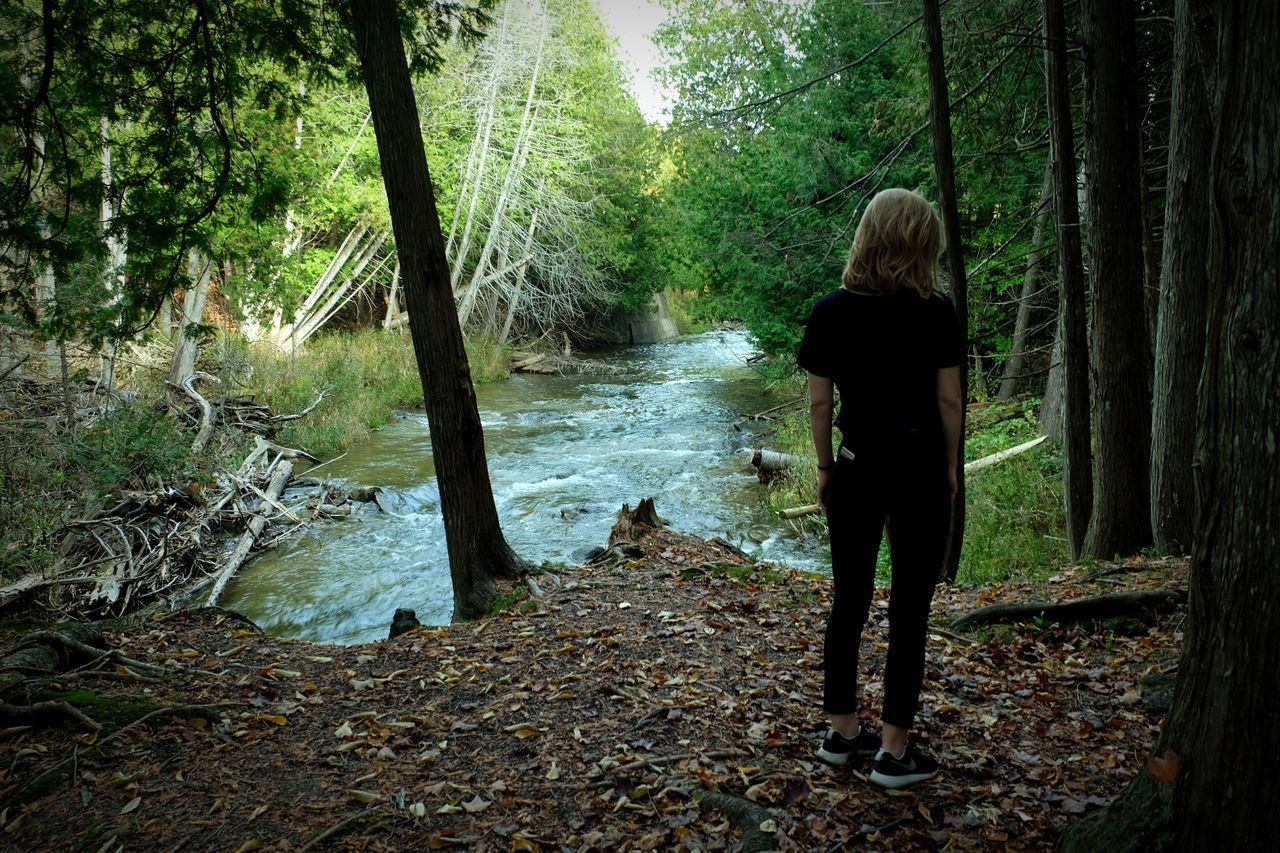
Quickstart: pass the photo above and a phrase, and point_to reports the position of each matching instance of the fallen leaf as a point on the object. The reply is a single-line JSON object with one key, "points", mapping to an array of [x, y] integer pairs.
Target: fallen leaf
{"points": [[476, 804], [363, 796], [343, 730], [131, 805], [523, 730], [251, 844], [1166, 768], [554, 773], [418, 810]]}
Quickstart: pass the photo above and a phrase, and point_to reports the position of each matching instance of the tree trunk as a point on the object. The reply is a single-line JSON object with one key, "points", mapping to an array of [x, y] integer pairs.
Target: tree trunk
{"points": [[514, 303], [1180, 331], [1214, 787], [185, 346], [1120, 356], [1014, 365], [1077, 462], [477, 549], [940, 120]]}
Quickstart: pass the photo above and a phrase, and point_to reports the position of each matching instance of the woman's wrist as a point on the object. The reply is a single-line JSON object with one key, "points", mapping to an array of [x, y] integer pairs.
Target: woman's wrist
{"points": [[830, 466]]}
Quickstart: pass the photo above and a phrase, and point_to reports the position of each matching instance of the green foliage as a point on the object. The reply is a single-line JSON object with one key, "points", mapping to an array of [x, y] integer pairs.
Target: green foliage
{"points": [[756, 205], [1014, 525], [46, 476], [126, 447]]}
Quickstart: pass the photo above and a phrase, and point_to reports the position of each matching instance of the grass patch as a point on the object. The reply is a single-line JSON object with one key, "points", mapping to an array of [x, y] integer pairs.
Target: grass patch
{"points": [[516, 598], [368, 376], [1014, 525]]}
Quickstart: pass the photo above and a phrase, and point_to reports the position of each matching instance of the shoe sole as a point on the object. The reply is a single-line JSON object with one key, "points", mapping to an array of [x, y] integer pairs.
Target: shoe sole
{"points": [[836, 759], [902, 781], [840, 759]]}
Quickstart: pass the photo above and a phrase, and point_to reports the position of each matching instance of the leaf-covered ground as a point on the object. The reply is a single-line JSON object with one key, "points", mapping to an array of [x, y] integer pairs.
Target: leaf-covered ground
{"points": [[592, 719]]}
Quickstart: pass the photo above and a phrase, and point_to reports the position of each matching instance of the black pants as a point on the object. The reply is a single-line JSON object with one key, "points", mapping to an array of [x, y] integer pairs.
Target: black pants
{"points": [[904, 480]]}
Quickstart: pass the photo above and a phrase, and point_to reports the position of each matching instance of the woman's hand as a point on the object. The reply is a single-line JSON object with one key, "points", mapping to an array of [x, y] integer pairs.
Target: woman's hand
{"points": [[824, 482], [953, 481]]}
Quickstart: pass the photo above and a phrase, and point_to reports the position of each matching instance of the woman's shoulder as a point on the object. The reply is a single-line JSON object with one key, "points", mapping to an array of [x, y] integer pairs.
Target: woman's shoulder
{"points": [[830, 302]]}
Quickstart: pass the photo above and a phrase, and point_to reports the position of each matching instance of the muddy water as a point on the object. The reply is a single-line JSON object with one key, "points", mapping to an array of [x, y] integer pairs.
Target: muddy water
{"points": [[565, 452]]}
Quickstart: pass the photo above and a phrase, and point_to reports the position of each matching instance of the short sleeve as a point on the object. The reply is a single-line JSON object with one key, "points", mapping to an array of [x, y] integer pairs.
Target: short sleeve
{"points": [[815, 347], [950, 345]]}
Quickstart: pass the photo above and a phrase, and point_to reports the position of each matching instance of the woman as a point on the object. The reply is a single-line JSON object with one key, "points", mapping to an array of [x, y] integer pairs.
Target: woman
{"points": [[889, 341]]}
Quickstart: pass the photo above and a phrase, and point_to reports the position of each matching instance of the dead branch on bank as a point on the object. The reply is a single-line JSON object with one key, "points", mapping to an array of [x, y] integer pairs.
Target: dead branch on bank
{"points": [[159, 543]]}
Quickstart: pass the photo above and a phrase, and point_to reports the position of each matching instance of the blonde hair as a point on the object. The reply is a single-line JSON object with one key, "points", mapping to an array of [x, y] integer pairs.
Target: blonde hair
{"points": [[896, 246]]}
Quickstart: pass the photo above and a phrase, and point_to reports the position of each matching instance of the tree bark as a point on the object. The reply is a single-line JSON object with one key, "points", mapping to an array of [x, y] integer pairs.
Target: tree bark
{"points": [[1014, 365], [1220, 793], [1077, 463], [940, 120], [1180, 331], [477, 548], [185, 347], [1120, 522]]}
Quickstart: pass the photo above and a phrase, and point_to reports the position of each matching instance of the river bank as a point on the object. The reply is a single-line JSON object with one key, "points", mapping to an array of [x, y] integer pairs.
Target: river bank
{"points": [[666, 700]]}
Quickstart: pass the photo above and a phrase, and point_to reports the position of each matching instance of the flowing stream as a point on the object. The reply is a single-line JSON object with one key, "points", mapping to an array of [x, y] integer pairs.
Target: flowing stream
{"points": [[564, 452]]}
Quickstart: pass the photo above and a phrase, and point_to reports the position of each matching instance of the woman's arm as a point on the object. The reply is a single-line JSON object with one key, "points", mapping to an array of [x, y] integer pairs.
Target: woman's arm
{"points": [[821, 405], [950, 407]]}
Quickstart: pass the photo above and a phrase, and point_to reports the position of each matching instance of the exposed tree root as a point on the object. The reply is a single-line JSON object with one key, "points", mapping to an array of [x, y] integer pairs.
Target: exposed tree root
{"points": [[39, 712], [343, 826], [1080, 610], [206, 711], [755, 822]]}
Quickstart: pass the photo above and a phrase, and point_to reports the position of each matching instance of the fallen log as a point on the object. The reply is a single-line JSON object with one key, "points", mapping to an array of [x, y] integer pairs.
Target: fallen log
{"points": [[799, 511], [279, 479], [978, 464], [1107, 606], [770, 464]]}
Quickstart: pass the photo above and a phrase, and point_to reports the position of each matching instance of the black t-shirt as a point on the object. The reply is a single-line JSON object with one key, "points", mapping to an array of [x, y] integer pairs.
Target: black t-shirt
{"points": [[883, 353]]}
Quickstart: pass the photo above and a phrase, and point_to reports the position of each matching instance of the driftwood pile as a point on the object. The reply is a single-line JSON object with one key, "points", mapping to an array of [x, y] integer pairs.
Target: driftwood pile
{"points": [[165, 542]]}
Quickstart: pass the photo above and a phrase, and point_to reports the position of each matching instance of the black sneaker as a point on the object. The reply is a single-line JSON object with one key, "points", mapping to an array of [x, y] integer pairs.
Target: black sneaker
{"points": [[914, 766], [836, 748]]}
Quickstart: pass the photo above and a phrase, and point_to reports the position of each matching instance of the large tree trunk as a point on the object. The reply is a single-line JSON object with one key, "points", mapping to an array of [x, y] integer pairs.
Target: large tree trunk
{"points": [[1120, 356], [1215, 788], [1180, 332], [477, 549], [1077, 464], [1014, 365], [940, 121]]}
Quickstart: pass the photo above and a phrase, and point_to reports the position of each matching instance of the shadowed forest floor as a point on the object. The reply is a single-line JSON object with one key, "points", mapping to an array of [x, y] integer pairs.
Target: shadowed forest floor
{"points": [[593, 718]]}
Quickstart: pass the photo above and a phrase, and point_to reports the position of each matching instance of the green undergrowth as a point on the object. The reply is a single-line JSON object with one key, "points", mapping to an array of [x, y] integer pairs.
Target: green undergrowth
{"points": [[48, 477], [364, 376], [1014, 528]]}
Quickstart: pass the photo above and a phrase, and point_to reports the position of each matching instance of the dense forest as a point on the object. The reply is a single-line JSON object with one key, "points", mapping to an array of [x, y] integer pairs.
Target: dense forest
{"points": [[237, 237]]}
